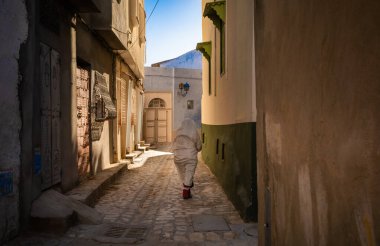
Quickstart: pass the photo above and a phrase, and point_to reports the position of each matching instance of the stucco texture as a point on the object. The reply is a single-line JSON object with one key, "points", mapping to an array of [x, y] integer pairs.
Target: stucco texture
{"points": [[318, 127], [236, 170], [13, 32], [193, 77], [232, 99], [100, 61]]}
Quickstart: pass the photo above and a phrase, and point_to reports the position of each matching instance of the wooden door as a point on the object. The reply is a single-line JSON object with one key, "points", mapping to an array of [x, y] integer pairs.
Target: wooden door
{"points": [[83, 122], [133, 118], [150, 125], [129, 114], [50, 116], [123, 116], [161, 125], [156, 123]]}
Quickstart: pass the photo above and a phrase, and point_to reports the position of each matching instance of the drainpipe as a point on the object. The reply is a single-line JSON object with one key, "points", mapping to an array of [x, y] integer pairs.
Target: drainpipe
{"points": [[73, 46]]}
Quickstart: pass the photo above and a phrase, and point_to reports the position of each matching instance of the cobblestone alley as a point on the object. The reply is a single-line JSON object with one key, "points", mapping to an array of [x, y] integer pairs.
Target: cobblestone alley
{"points": [[145, 207]]}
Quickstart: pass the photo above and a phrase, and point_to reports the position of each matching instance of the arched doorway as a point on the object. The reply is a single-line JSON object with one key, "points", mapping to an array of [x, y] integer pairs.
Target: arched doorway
{"points": [[156, 121]]}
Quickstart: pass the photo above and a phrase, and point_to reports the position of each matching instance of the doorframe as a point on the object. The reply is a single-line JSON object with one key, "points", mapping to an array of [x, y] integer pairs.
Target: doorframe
{"points": [[156, 125], [83, 64], [169, 107]]}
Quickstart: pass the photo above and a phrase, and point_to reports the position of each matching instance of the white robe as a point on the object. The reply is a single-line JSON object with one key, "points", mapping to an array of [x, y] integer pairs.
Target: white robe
{"points": [[186, 146]]}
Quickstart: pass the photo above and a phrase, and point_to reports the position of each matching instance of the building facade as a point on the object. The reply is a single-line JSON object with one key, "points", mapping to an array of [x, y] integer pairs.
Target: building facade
{"points": [[73, 97], [162, 84], [318, 124], [229, 100]]}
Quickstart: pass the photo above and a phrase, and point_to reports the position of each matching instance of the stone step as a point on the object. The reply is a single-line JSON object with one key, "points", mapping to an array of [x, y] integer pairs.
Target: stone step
{"points": [[141, 148], [144, 147], [132, 156], [54, 212]]}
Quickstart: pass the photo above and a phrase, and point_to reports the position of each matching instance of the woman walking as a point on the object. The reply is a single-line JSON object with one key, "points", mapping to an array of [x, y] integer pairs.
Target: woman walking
{"points": [[186, 146]]}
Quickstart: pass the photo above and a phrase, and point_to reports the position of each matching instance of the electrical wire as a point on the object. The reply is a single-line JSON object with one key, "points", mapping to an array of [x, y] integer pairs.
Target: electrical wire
{"points": [[152, 11], [146, 22]]}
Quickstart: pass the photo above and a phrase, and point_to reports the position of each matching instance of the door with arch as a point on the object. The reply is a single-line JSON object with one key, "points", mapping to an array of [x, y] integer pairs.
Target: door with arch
{"points": [[156, 121]]}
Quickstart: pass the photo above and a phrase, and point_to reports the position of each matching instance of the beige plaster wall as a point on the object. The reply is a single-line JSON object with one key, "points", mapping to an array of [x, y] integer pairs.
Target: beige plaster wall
{"points": [[233, 93], [129, 66], [318, 127], [113, 24], [136, 48], [100, 61], [124, 72], [120, 19]]}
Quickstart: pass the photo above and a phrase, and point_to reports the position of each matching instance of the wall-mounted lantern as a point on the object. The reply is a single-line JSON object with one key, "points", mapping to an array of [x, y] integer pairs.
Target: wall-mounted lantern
{"points": [[183, 88]]}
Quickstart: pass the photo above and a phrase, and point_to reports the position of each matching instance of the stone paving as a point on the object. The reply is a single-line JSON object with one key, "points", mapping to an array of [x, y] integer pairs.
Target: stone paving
{"points": [[145, 207]]}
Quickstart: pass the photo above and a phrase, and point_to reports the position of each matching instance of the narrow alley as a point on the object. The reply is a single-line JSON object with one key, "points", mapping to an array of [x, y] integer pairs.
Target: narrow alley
{"points": [[144, 206], [277, 102]]}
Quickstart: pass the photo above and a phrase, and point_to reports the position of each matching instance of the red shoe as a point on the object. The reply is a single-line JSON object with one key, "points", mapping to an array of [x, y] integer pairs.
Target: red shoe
{"points": [[186, 194]]}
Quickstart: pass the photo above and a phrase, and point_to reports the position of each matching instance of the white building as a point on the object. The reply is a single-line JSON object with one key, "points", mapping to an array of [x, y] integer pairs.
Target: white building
{"points": [[165, 104]]}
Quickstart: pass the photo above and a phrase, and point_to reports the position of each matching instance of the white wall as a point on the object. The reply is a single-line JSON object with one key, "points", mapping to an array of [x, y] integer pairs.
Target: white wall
{"points": [[193, 77], [158, 79]]}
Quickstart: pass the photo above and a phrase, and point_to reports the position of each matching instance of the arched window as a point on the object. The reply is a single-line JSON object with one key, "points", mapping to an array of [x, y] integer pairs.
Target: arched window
{"points": [[157, 103]]}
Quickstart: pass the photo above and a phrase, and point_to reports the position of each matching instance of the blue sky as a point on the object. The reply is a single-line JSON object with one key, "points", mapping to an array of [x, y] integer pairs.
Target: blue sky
{"points": [[174, 28]]}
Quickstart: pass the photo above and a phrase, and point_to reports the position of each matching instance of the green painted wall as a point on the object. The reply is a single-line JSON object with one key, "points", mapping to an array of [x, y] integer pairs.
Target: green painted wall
{"points": [[237, 171]]}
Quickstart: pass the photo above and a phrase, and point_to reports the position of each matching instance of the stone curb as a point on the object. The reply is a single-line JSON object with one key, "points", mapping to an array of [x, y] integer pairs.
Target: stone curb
{"points": [[91, 190]]}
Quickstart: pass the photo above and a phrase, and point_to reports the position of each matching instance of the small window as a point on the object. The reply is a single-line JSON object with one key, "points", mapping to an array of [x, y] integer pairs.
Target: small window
{"points": [[223, 151], [190, 104], [217, 146]]}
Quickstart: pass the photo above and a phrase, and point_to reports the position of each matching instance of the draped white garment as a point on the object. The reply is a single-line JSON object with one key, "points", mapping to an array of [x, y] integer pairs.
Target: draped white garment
{"points": [[186, 146]]}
